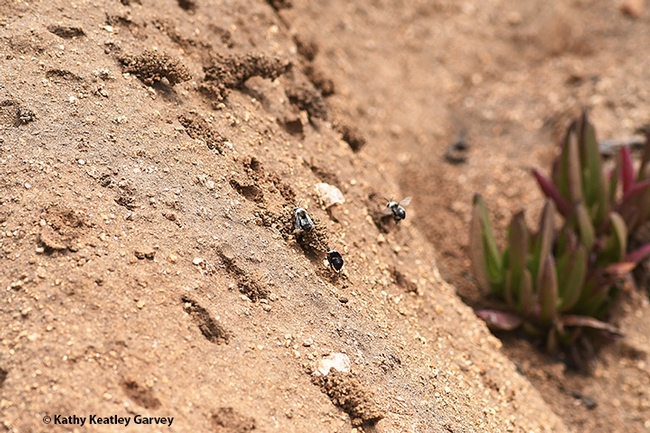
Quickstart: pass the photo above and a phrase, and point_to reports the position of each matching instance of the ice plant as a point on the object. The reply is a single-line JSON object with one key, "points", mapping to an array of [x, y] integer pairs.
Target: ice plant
{"points": [[578, 177], [558, 281]]}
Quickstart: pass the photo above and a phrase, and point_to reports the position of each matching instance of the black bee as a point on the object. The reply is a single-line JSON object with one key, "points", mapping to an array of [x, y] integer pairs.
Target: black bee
{"points": [[335, 260], [303, 221], [397, 209]]}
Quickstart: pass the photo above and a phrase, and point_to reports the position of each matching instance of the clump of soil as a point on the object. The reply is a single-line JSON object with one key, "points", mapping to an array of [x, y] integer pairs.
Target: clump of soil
{"points": [[151, 67], [61, 229], [306, 97], [227, 420], [248, 189], [209, 327], [139, 394], [197, 128], [324, 84], [249, 286], [315, 243], [187, 5], [12, 113], [66, 32], [347, 393], [351, 135], [231, 72], [280, 4]]}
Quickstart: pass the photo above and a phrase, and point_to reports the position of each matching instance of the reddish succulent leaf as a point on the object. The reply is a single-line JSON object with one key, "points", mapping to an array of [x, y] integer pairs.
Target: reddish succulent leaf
{"points": [[627, 170], [646, 157], [500, 320], [589, 322], [562, 204], [629, 207], [635, 189], [639, 254], [630, 261]]}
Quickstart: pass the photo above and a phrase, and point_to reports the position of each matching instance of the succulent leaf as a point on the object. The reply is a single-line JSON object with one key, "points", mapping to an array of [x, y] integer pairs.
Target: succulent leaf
{"points": [[500, 320], [573, 168], [585, 226], [484, 254], [543, 240], [563, 205], [616, 245], [589, 322], [560, 166], [627, 170], [527, 297], [633, 207], [591, 162], [548, 290], [571, 271], [517, 247], [639, 254]]}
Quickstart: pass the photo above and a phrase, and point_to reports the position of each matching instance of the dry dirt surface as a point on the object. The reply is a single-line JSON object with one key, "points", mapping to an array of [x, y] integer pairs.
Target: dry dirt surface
{"points": [[151, 157]]}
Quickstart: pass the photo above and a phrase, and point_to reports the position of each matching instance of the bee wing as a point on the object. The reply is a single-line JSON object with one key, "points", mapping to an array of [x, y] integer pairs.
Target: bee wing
{"points": [[386, 211], [406, 201]]}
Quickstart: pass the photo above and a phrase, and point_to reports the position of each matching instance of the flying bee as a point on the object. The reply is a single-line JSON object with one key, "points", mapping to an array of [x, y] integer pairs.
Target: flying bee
{"points": [[397, 209], [335, 260], [303, 221]]}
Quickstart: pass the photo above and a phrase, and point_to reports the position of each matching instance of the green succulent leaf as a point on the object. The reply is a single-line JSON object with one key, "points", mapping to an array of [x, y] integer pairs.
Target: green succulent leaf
{"points": [[543, 239], [571, 271], [613, 184], [585, 226], [486, 260], [574, 170], [527, 296], [560, 172], [603, 204], [548, 290], [595, 294], [591, 163], [616, 245], [517, 247]]}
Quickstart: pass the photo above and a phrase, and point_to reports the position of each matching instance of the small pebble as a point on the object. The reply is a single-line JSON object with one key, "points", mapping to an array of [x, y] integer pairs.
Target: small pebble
{"points": [[197, 261], [337, 361]]}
